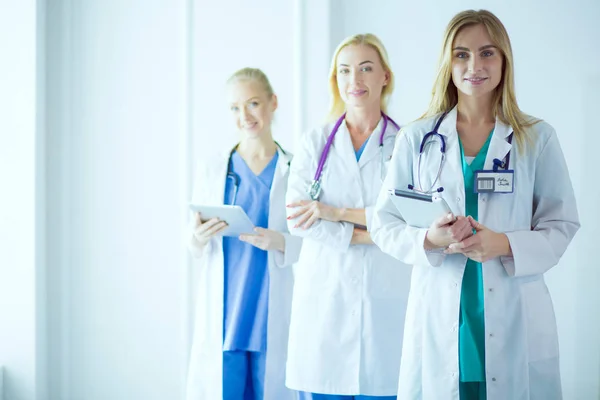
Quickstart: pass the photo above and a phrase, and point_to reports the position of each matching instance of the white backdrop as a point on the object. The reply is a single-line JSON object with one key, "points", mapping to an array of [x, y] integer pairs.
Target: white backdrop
{"points": [[131, 95]]}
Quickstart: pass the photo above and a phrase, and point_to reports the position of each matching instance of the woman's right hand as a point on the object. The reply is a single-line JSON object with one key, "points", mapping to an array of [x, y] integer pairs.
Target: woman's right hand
{"points": [[447, 230], [205, 230]]}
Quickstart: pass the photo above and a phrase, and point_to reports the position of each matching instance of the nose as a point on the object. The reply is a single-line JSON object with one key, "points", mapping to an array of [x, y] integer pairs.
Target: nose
{"points": [[474, 64], [243, 113], [354, 77]]}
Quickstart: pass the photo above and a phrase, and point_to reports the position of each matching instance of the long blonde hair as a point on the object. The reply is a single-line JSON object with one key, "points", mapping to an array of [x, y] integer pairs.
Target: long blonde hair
{"points": [[504, 104], [337, 105]]}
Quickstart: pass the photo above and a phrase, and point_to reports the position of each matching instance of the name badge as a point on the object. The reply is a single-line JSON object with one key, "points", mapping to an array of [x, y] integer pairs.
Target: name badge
{"points": [[500, 181]]}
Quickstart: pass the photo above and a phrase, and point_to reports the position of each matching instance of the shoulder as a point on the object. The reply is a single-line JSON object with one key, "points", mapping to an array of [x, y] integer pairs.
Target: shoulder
{"points": [[315, 138], [209, 161], [540, 133], [416, 130]]}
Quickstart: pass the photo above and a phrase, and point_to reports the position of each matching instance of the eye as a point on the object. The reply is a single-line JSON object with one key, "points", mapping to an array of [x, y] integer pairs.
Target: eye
{"points": [[234, 109], [367, 69], [462, 54], [487, 53], [254, 104], [343, 71]]}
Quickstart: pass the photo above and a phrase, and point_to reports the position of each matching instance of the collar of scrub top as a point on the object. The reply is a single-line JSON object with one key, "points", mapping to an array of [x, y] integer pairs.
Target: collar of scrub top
{"points": [[315, 187], [235, 177]]}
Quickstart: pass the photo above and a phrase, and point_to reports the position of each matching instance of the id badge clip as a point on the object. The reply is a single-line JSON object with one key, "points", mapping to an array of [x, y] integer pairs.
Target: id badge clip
{"points": [[496, 180]]}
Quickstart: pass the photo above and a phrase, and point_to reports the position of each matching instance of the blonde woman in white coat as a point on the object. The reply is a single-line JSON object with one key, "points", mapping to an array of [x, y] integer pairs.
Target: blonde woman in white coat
{"points": [[480, 322], [349, 297], [245, 284]]}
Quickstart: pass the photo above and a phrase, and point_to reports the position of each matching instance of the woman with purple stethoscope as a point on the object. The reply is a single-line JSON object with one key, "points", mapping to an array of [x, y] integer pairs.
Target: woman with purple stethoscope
{"points": [[349, 297]]}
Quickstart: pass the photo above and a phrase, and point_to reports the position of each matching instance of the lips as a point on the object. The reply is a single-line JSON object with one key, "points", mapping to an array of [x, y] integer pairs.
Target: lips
{"points": [[357, 92], [475, 80]]}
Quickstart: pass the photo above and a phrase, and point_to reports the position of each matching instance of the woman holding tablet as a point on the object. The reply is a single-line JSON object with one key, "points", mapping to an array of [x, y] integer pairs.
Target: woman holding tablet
{"points": [[244, 288], [480, 322], [349, 297]]}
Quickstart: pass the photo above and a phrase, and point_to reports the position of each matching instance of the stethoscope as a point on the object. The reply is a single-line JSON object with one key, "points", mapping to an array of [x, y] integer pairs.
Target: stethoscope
{"points": [[429, 139], [314, 190], [235, 177]]}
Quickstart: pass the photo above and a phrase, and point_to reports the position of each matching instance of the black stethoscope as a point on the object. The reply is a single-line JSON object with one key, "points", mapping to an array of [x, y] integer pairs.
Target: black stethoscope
{"points": [[235, 177], [429, 139]]}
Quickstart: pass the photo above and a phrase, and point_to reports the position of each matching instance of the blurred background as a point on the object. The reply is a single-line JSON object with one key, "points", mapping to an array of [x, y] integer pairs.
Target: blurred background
{"points": [[106, 105]]}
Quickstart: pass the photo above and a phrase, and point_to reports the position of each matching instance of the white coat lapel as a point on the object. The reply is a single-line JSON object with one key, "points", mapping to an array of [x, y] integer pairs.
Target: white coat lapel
{"points": [[451, 178], [218, 172], [372, 150], [342, 146], [499, 146], [278, 187]]}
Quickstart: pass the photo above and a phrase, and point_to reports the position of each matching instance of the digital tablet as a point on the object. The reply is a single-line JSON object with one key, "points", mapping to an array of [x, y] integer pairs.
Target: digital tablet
{"points": [[419, 210], [237, 220]]}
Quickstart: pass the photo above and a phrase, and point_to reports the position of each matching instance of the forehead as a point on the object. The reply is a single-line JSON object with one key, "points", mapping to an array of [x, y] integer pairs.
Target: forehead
{"points": [[357, 53], [472, 37], [241, 90]]}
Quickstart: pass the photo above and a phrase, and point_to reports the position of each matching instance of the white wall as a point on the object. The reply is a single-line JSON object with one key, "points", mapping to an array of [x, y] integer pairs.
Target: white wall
{"points": [[18, 41], [132, 95], [228, 36], [558, 79], [117, 129]]}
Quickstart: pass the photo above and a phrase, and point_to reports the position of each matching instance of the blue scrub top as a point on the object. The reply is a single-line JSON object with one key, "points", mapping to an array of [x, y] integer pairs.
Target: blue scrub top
{"points": [[246, 288], [471, 333], [362, 148]]}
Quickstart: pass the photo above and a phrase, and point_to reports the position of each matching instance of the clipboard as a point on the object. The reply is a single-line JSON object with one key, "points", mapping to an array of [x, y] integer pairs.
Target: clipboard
{"points": [[418, 210], [236, 218]]}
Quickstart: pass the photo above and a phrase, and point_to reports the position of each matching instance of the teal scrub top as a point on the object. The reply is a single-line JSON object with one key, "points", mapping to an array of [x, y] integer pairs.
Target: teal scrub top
{"points": [[471, 333]]}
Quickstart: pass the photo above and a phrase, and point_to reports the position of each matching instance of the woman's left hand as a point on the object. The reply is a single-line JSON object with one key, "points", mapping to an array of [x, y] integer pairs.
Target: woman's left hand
{"points": [[483, 246], [311, 211], [265, 239]]}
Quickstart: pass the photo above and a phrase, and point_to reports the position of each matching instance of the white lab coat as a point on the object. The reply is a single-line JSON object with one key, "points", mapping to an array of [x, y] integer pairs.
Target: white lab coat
{"points": [[349, 300], [540, 219], [206, 360]]}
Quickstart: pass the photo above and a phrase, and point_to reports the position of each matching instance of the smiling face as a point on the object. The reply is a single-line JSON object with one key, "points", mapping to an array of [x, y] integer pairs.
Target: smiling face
{"points": [[360, 76], [476, 62], [251, 107]]}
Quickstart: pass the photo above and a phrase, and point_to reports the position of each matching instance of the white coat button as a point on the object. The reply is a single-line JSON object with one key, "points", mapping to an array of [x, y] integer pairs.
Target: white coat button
{"points": [[491, 335], [483, 199], [455, 284], [491, 289], [493, 379], [458, 199]]}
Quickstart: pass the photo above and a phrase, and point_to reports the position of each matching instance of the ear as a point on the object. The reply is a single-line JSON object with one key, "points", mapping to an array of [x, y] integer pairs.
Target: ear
{"points": [[274, 103], [387, 79]]}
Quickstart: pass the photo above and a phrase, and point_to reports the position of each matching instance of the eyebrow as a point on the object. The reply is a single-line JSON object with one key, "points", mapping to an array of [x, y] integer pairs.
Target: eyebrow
{"points": [[487, 46], [364, 62], [251, 98]]}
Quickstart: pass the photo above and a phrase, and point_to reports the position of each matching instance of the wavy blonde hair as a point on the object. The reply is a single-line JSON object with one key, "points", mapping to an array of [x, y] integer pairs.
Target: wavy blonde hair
{"points": [[445, 95], [337, 105]]}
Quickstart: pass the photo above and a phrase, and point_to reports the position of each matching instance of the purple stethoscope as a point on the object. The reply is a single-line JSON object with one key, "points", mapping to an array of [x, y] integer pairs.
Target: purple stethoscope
{"points": [[314, 189]]}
